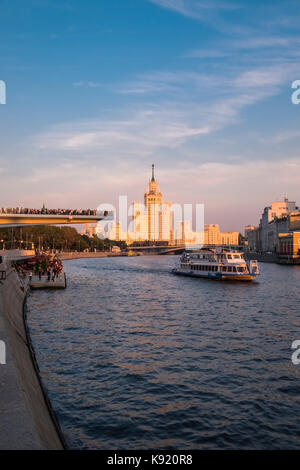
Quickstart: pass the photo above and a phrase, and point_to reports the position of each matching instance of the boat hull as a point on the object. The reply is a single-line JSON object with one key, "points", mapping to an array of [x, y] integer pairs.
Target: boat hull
{"points": [[215, 276]]}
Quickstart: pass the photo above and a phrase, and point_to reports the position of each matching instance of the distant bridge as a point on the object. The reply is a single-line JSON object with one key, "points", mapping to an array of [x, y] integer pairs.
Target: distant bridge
{"points": [[177, 249], [158, 249], [19, 220]]}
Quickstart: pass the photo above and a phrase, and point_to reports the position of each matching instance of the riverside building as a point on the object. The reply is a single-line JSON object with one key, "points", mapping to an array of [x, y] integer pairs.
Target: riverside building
{"points": [[154, 222], [151, 221], [213, 236], [278, 229]]}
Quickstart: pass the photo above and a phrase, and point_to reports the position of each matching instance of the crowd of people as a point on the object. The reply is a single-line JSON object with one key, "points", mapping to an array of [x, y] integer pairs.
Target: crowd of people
{"points": [[42, 265], [44, 211]]}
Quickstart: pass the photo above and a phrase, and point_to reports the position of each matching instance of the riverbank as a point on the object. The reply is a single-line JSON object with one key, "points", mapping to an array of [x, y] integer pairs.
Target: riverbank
{"points": [[26, 419], [97, 254], [273, 258]]}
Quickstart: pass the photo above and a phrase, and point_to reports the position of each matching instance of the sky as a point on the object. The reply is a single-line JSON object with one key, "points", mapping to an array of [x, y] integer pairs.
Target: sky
{"points": [[98, 90]]}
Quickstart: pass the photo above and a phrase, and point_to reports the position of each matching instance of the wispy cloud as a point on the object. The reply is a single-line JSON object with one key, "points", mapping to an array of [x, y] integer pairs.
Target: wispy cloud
{"points": [[198, 106], [167, 82], [281, 137], [88, 84], [250, 45], [211, 100], [194, 8], [140, 135]]}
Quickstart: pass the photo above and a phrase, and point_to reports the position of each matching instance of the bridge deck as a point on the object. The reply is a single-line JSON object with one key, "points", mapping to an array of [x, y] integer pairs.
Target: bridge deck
{"points": [[17, 220]]}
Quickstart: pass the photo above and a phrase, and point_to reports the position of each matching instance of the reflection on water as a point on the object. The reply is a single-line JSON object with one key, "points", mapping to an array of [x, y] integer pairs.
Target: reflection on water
{"points": [[135, 357]]}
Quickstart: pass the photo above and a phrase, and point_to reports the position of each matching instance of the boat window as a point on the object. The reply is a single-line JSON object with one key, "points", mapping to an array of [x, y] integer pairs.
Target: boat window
{"points": [[234, 269], [224, 269], [240, 270], [236, 256], [229, 269], [229, 256]]}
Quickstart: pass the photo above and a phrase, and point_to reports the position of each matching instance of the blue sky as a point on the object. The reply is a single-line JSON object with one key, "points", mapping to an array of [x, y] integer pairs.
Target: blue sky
{"points": [[98, 90]]}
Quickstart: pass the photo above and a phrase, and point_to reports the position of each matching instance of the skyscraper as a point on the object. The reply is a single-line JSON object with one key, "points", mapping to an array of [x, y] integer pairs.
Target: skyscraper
{"points": [[153, 201], [154, 221]]}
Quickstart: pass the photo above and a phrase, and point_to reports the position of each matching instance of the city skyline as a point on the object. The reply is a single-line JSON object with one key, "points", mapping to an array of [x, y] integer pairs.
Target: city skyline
{"points": [[158, 220], [97, 91]]}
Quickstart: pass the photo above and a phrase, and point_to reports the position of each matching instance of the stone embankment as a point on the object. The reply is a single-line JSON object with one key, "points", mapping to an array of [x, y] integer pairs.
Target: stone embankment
{"points": [[26, 418]]}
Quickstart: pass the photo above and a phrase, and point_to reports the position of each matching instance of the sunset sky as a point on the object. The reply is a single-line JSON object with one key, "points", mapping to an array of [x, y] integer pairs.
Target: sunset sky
{"points": [[98, 90]]}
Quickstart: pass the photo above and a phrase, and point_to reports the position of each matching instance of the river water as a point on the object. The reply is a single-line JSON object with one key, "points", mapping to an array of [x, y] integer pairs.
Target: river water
{"points": [[134, 357]]}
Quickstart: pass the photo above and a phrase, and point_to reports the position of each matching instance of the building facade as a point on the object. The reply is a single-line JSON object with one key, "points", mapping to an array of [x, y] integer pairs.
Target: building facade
{"points": [[275, 232], [213, 236], [89, 230], [269, 225], [139, 223], [289, 244]]}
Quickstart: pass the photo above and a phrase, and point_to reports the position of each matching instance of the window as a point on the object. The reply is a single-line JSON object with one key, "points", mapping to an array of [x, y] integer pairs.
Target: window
{"points": [[224, 269], [236, 256], [229, 257], [229, 269]]}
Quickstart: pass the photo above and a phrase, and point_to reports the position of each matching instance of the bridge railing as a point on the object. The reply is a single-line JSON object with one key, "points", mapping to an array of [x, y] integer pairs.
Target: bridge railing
{"points": [[62, 212]]}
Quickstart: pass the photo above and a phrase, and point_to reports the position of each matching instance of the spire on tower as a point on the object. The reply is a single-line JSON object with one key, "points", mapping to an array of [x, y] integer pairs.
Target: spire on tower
{"points": [[153, 178]]}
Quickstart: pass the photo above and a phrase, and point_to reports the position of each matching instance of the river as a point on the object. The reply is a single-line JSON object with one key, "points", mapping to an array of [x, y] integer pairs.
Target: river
{"points": [[134, 357]]}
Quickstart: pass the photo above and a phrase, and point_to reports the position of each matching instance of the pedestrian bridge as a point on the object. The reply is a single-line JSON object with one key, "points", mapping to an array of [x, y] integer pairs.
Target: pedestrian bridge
{"points": [[19, 220]]}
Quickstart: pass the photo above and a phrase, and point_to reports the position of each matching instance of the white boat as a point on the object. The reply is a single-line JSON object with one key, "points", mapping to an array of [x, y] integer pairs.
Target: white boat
{"points": [[217, 264]]}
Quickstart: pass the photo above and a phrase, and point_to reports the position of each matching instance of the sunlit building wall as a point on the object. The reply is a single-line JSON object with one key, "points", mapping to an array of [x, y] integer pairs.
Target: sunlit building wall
{"points": [[153, 201], [165, 221], [139, 223]]}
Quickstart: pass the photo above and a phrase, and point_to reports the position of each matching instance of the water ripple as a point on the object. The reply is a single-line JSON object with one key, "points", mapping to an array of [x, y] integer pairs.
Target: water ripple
{"points": [[134, 357]]}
